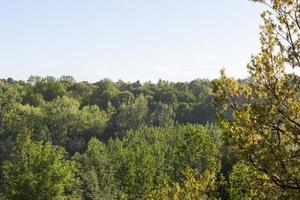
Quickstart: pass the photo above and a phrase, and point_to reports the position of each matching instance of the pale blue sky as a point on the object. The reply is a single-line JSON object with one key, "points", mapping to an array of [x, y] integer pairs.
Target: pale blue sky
{"points": [[176, 40]]}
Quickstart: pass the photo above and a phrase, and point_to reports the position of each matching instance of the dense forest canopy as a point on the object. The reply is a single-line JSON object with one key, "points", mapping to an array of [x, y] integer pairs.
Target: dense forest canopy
{"points": [[107, 140], [205, 139]]}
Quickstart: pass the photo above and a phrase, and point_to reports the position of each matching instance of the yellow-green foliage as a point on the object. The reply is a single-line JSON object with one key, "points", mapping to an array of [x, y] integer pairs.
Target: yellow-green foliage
{"points": [[152, 162], [195, 185], [265, 130]]}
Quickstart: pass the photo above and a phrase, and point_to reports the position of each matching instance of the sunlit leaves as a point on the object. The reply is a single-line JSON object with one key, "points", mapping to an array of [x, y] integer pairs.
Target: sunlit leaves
{"points": [[264, 130]]}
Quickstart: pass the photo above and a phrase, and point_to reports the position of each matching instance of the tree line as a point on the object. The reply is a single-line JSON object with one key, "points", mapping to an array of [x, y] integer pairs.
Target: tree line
{"points": [[62, 139]]}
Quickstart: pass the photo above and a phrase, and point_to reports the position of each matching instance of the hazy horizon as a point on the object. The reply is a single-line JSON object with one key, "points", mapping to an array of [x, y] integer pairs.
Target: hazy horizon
{"points": [[127, 39]]}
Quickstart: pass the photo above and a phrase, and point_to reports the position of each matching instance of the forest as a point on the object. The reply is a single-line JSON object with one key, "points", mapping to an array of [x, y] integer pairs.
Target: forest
{"points": [[111, 140], [205, 139]]}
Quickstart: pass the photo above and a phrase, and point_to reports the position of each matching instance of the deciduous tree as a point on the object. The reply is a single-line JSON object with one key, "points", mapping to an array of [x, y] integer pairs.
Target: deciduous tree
{"points": [[265, 130], [38, 171]]}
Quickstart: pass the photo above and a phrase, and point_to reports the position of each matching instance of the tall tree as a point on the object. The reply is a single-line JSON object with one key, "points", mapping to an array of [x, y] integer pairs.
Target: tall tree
{"points": [[9, 97], [9, 101], [265, 130]]}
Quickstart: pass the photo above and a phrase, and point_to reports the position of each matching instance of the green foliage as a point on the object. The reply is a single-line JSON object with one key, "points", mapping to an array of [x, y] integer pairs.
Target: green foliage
{"points": [[72, 127], [146, 157], [195, 185], [132, 115], [81, 92], [245, 183], [38, 171], [96, 173], [67, 114], [128, 141], [264, 131], [190, 102], [104, 93], [140, 164], [162, 115], [49, 88], [9, 101]]}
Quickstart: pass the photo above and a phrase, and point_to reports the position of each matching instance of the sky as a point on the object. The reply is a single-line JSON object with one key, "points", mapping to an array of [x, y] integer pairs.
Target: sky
{"points": [[146, 40]]}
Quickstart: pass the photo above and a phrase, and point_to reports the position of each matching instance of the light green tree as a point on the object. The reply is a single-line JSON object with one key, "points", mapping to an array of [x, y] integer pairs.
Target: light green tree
{"points": [[71, 126], [247, 183], [194, 185], [150, 158], [38, 171]]}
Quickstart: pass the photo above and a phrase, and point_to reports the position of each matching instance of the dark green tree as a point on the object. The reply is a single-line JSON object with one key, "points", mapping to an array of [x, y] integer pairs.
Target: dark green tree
{"points": [[97, 180], [132, 115]]}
